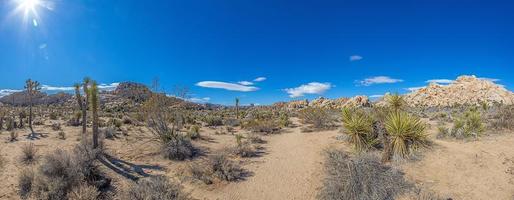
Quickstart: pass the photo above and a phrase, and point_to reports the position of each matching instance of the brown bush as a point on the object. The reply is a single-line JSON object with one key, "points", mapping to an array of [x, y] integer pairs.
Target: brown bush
{"points": [[318, 118], [155, 188], [29, 152]]}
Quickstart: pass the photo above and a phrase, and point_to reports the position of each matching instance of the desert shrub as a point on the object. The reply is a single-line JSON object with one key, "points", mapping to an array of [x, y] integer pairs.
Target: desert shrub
{"points": [[232, 122], [25, 180], [84, 192], [407, 133], [75, 119], [217, 166], [62, 135], [127, 120], [56, 126], [503, 118], [194, 132], [469, 124], [395, 101], [244, 148], [109, 132], [115, 123], [265, 126], [283, 120], [53, 116], [155, 188], [29, 153], [255, 139], [62, 171], [10, 124], [179, 148], [212, 120], [362, 177], [358, 126], [13, 136], [38, 122], [318, 118]]}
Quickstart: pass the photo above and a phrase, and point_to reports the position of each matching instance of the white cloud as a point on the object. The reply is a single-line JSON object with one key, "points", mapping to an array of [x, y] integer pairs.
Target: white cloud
{"points": [[440, 81], [5, 92], [355, 58], [108, 87], [245, 83], [490, 79], [310, 88], [378, 80], [200, 100], [260, 79], [376, 96], [42, 46], [226, 86], [56, 88], [412, 89]]}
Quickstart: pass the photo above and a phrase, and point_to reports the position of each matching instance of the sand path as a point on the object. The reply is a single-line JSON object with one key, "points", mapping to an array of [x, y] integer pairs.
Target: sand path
{"points": [[290, 169]]}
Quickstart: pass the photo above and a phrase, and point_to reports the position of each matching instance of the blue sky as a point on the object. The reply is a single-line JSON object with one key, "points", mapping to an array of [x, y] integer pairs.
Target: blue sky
{"points": [[329, 47]]}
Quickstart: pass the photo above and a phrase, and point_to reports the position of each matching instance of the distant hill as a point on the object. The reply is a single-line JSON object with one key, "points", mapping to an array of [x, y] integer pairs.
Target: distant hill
{"points": [[466, 90], [21, 99]]}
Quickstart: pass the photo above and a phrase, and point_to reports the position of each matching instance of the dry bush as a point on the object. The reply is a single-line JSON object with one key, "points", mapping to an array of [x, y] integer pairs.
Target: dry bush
{"points": [[25, 180], [84, 192], [62, 135], [194, 132], [212, 120], [13, 136], [255, 139], [179, 148], [264, 126], [318, 118], [29, 153], [245, 149], [155, 188], [109, 132], [362, 177], [53, 116], [56, 126], [220, 167], [61, 172], [503, 118], [469, 124]]}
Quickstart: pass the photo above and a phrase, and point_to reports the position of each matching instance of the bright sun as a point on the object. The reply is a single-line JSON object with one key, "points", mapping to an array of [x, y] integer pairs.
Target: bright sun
{"points": [[29, 5]]}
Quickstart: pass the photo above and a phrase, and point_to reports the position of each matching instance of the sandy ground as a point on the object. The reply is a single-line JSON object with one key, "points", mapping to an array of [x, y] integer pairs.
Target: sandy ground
{"points": [[291, 166]]}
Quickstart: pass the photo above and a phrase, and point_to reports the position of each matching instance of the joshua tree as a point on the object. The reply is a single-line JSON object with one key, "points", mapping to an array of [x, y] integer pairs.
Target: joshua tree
{"points": [[237, 108], [32, 87], [81, 106], [85, 86], [22, 115], [93, 95]]}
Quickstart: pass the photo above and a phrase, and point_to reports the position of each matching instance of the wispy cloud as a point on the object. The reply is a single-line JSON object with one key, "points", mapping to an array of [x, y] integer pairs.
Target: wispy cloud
{"points": [[200, 100], [226, 86], [56, 88], [412, 89], [440, 81], [259, 79], [355, 58], [490, 79], [378, 80], [5, 92], [245, 83], [309, 88], [376, 96], [108, 87]]}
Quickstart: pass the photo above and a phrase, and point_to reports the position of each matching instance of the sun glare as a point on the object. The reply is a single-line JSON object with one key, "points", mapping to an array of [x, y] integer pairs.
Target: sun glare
{"points": [[29, 5]]}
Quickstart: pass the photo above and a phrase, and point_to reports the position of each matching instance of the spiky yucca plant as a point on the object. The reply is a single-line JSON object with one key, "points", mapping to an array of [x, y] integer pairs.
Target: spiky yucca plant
{"points": [[359, 128], [407, 133], [395, 101]]}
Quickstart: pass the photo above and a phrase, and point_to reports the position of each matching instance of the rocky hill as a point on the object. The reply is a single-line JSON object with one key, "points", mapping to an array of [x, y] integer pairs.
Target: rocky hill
{"points": [[321, 102], [40, 98], [466, 90]]}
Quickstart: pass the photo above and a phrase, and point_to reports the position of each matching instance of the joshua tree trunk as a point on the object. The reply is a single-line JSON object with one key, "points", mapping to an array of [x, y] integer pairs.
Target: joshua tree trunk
{"points": [[80, 102], [94, 108], [382, 134], [237, 108], [31, 87], [86, 104]]}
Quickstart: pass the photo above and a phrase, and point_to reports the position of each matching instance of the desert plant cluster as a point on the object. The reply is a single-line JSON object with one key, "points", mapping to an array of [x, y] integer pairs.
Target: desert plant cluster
{"points": [[90, 146]]}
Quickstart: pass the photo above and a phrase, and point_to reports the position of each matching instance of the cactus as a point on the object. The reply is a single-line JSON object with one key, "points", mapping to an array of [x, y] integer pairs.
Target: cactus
{"points": [[93, 95], [32, 87]]}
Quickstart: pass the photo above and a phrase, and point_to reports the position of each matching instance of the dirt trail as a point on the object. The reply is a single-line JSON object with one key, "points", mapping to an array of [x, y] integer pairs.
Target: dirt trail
{"points": [[290, 169]]}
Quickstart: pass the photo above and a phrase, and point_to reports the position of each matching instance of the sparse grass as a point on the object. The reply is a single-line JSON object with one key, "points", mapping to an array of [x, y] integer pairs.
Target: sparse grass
{"points": [[155, 188], [29, 153], [503, 118], [469, 124], [358, 126], [317, 118], [362, 177], [407, 133]]}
